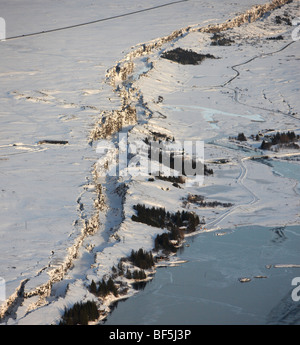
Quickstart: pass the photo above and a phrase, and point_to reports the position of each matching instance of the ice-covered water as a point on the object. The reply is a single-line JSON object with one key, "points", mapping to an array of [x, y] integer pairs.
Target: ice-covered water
{"points": [[207, 289]]}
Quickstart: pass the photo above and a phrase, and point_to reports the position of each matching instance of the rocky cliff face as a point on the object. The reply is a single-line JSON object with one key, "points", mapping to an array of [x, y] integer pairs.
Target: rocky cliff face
{"points": [[249, 16], [118, 76]]}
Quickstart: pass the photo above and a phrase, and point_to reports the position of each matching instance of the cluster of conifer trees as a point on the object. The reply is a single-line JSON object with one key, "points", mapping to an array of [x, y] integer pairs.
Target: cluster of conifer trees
{"points": [[214, 204], [279, 138], [136, 274], [80, 314], [173, 179], [104, 287], [158, 217], [163, 242], [142, 258], [185, 57], [176, 161], [139, 258]]}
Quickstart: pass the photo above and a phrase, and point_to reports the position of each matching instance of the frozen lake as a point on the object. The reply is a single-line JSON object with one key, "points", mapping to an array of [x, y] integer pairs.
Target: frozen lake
{"points": [[207, 289]]}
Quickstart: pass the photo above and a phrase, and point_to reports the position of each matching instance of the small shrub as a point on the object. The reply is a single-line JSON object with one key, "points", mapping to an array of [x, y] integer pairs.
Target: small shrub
{"points": [[220, 40], [241, 137]]}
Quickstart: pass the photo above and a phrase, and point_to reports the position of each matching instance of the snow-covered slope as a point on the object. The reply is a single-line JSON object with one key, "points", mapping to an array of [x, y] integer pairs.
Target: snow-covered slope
{"points": [[64, 221]]}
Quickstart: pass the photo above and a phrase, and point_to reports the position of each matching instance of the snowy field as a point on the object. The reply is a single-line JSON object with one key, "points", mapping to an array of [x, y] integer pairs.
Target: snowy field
{"points": [[64, 222]]}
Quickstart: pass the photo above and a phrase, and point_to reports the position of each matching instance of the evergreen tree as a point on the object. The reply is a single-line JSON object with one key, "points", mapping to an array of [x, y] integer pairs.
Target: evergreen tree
{"points": [[111, 287], [102, 288], [83, 317], [93, 287], [128, 274], [121, 268]]}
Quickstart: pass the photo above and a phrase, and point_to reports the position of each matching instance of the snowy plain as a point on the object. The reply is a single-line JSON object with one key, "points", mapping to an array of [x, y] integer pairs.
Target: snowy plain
{"points": [[53, 86]]}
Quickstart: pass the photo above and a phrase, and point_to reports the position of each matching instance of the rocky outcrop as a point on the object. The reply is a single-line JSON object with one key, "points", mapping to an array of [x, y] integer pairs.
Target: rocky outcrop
{"points": [[11, 304], [52, 275], [118, 76], [249, 16]]}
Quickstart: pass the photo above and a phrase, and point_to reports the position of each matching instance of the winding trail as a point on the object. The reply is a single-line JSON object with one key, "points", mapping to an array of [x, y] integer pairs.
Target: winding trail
{"points": [[213, 225], [234, 68]]}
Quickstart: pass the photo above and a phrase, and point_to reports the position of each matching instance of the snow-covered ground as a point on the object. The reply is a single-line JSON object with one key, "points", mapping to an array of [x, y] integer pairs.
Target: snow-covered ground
{"points": [[63, 223]]}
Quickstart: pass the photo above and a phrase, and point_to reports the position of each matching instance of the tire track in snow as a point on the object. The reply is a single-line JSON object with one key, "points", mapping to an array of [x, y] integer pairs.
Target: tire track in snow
{"points": [[240, 180], [234, 68], [94, 21], [252, 59]]}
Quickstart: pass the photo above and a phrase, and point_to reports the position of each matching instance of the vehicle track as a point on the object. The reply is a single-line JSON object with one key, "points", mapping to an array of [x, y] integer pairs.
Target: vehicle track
{"points": [[240, 180], [43, 32], [236, 95]]}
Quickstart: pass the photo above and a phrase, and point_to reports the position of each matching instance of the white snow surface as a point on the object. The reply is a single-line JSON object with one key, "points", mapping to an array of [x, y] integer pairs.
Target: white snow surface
{"points": [[53, 86]]}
